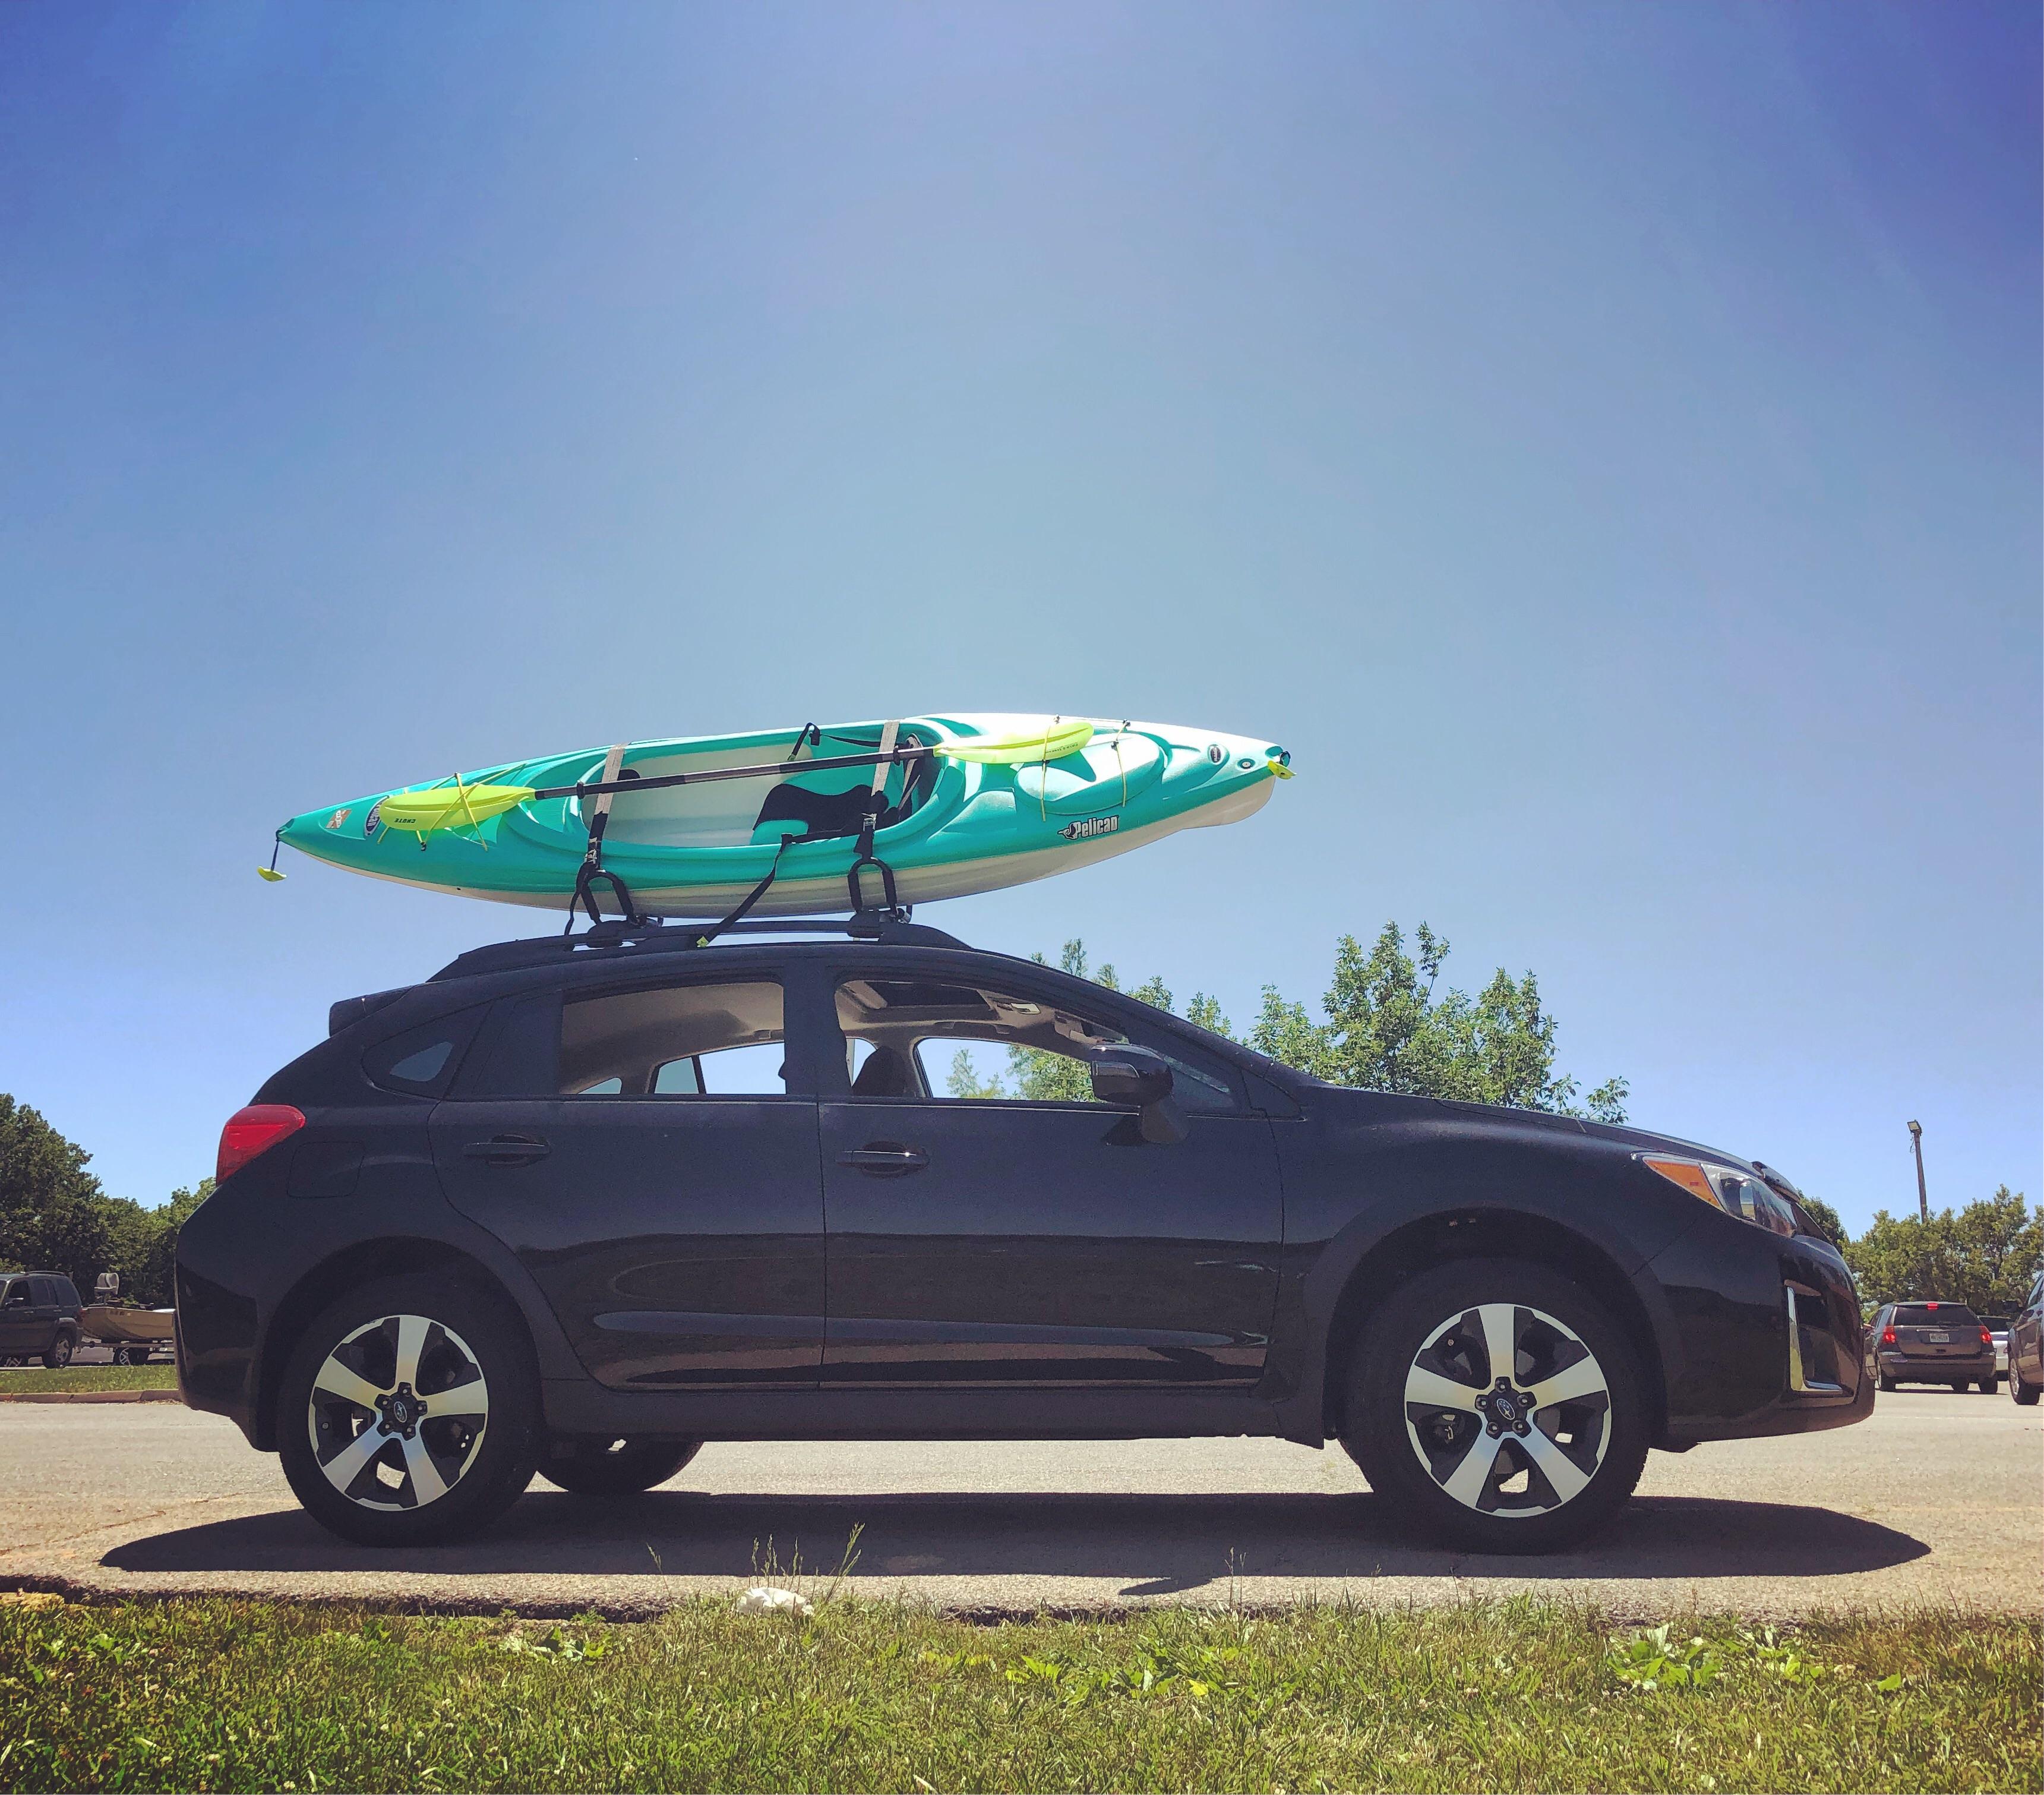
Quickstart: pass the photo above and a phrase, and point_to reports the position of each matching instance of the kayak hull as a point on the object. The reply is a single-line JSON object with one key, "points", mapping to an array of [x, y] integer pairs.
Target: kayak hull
{"points": [[698, 850]]}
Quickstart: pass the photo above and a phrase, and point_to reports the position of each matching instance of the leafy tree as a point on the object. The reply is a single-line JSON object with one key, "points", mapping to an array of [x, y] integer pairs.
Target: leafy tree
{"points": [[1386, 1029], [1826, 1218], [52, 1216], [1983, 1255]]}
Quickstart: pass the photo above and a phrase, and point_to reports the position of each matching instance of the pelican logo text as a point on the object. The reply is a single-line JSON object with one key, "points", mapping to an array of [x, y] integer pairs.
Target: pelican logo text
{"points": [[1091, 826]]}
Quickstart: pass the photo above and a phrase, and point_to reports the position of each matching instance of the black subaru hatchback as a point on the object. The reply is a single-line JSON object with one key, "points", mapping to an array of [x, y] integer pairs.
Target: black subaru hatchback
{"points": [[577, 1205]]}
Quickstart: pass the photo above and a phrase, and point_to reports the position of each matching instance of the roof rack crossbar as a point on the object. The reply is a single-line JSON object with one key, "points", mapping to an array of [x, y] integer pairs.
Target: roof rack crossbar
{"points": [[651, 936]]}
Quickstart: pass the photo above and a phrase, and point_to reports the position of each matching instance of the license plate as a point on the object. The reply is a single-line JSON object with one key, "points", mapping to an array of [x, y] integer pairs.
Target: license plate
{"points": [[1938, 1340]]}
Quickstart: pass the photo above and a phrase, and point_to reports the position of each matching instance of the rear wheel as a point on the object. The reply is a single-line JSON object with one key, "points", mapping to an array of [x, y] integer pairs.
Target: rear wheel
{"points": [[409, 1413], [58, 1354], [1498, 1405], [1959, 1389], [1990, 1385], [2024, 1393], [617, 1467], [1887, 1383]]}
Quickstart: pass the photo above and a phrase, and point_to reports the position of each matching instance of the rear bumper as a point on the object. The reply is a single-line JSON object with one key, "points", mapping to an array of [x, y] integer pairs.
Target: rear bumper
{"points": [[1920, 1368]]}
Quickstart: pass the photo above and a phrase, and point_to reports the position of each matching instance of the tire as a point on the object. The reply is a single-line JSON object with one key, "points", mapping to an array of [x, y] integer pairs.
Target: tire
{"points": [[436, 1476], [1449, 1465], [1990, 1387], [1959, 1389], [615, 1469], [2022, 1391], [60, 1349], [1887, 1383], [122, 1356]]}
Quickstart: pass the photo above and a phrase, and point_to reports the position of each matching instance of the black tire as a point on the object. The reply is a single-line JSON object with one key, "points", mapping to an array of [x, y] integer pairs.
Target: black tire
{"points": [[1432, 1329], [2021, 1391], [1990, 1387], [466, 1350], [1959, 1389], [616, 1468], [58, 1354], [1887, 1383]]}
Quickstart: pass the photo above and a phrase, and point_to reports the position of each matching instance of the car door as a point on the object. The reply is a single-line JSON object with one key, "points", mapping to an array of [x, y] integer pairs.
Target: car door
{"points": [[661, 1186], [18, 1331], [1033, 1237]]}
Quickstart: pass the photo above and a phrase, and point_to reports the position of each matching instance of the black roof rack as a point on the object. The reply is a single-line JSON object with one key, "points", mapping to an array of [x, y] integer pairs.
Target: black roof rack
{"points": [[633, 936]]}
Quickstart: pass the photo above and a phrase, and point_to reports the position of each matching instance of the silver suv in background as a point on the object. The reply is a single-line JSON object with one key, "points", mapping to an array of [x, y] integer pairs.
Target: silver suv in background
{"points": [[1931, 1342]]}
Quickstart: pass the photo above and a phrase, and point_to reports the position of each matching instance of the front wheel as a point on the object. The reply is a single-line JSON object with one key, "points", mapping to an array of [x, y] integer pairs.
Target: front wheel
{"points": [[2020, 1391], [617, 1467], [1498, 1404], [58, 1354], [409, 1413]]}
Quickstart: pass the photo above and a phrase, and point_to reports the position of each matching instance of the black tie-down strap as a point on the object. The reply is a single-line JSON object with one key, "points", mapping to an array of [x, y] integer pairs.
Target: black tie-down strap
{"points": [[586, 876], [751, 898]]}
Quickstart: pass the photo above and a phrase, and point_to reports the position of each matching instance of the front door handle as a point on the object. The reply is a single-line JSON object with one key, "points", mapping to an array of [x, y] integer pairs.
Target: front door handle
{"points": [[508, 1150], [884, 1159]]}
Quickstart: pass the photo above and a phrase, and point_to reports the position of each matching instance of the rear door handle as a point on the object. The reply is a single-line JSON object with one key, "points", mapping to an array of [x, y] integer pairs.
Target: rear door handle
{"points": [[884, 1159], [508, 1150]]}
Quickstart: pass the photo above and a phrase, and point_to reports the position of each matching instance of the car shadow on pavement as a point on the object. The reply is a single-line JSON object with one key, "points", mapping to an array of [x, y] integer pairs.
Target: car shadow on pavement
{"points": [[1153, 1545]]}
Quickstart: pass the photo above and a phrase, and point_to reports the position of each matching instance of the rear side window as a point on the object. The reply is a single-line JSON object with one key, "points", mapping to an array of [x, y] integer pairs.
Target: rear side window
{"points": [[45, 1290], [675, 1041], [422, 1062], [1934, 1314], [66, 1292]]}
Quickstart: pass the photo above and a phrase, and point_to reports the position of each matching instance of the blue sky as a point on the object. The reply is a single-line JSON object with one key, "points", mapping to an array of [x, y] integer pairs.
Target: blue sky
{"points": [[1603, 441]]}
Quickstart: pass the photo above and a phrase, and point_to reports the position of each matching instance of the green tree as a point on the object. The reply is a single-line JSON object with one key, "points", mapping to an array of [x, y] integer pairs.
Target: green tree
{"points": [[1387, 1029], [53, 1215], [1983, 1255]]}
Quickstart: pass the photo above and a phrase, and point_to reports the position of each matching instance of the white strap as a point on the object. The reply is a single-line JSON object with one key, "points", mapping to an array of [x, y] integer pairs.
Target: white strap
{"points": [[886, 748], [612, 762]]}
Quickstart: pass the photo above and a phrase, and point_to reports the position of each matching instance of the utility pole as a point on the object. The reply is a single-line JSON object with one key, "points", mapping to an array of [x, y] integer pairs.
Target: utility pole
{"points": [[1923, 1199]]}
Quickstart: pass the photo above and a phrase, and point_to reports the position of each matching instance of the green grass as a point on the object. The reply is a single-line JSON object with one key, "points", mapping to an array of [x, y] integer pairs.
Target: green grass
{"points": [[871, 1696], [91, 1377]]}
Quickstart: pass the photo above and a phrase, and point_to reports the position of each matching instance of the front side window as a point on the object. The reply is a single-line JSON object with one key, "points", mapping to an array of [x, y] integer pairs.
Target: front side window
{"points": [[19, 1295], [927, 1038], [675, 1041]]}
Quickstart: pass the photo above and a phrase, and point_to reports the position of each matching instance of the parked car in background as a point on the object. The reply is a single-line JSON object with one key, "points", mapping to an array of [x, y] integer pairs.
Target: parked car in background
{"points": [[1997, 1329], [38, 1318], [1931, 1342], [2025, 1346]]}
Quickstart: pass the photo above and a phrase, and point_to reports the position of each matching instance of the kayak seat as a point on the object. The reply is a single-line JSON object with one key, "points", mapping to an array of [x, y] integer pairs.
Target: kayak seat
{"points": [[792, 809]]}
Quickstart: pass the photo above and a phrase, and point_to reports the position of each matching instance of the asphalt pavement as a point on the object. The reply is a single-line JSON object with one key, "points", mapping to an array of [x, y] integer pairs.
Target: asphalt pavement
{"points": [[1934, 1500]]}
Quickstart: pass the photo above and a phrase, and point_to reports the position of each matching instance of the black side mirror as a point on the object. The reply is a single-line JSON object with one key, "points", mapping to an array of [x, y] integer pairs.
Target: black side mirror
{"points": [[1133, 1078]]}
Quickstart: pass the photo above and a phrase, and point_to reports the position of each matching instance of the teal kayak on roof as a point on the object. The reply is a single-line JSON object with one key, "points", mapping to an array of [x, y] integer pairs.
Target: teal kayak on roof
{"points": [[928, 807]]}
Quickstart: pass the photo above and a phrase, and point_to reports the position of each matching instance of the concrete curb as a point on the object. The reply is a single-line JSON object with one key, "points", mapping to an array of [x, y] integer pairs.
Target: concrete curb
{"points": [[89, 1396]]}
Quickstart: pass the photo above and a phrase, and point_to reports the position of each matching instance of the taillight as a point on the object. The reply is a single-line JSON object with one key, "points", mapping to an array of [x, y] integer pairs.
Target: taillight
{"points": [[1888, 1336], [252, 1132], [1986, 1338]]}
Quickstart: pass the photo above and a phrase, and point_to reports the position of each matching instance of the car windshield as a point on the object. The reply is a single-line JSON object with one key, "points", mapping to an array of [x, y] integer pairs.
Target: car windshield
{"points": [[1935, 1315]]}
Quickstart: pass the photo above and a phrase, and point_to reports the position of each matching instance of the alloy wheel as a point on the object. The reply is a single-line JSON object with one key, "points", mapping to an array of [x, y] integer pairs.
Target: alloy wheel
{"points": [[397, 1412], [1508, 1410]]}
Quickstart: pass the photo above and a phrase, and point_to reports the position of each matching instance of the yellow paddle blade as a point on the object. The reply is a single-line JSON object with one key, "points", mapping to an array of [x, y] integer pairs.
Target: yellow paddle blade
{"points": [[1053, 743], [1279, 769], [270, 874], [448, 807]]}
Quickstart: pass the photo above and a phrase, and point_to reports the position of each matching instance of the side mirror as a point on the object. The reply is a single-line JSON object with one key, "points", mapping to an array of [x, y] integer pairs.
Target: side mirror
{"points": [[1133, 1078]]}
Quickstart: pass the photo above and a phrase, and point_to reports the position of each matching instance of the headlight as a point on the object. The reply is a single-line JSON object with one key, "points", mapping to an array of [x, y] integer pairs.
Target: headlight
{"points": [[1737, 1193]]}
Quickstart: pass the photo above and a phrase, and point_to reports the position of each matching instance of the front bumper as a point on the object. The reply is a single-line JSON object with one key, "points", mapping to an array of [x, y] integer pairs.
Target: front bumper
{"points": [[1766, 1335]]}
